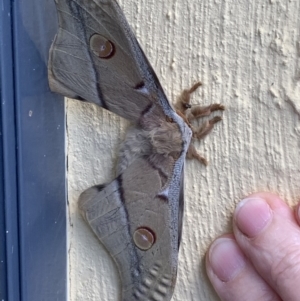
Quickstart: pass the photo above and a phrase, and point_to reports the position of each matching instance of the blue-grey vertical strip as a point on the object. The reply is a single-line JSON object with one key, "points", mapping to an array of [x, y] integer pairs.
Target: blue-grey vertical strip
{"points": [[9, 172], [40, 127], [3, 273]]}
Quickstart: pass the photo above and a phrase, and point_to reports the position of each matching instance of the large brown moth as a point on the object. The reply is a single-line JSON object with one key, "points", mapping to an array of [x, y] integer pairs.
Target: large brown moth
{"points": [[95, 57]]}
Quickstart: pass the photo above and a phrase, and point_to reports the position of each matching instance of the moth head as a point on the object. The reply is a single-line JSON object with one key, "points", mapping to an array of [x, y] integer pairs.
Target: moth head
{"points": [[183, 104], [186, 105]]}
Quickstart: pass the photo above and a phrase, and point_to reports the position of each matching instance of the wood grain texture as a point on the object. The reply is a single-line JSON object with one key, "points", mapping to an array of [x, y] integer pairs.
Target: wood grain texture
{"points": [[247, 54]]}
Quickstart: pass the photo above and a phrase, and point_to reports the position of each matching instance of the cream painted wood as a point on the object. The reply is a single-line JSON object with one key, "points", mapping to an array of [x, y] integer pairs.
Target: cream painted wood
{"points": [[247, 54]]}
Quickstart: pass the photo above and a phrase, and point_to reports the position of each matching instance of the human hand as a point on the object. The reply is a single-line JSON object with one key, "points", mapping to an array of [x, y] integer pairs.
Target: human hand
{"points": [[261, 260]]}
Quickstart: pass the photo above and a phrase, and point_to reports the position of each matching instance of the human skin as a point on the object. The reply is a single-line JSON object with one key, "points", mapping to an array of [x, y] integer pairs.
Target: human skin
{"points": [[260, 260]]}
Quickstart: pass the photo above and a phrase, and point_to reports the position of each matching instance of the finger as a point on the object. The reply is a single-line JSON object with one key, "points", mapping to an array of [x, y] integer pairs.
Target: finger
{"points": [[266, 230], [233, 276], [297, 213]]}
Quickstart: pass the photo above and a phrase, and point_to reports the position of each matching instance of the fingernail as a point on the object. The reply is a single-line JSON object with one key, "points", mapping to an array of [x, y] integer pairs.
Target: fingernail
{"points": [[226, 259], [252, 215]]}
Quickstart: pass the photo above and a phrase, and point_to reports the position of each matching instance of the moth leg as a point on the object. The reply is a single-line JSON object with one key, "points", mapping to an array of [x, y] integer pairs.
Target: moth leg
{"points": [[206, 128], [200, 111], [183, 101], [182, 115], [189, 113], [193, 154], [199, 134]]}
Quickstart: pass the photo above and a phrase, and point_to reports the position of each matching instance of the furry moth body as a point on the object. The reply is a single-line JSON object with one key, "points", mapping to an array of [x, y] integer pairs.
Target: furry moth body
{"points": [[138, 216]]}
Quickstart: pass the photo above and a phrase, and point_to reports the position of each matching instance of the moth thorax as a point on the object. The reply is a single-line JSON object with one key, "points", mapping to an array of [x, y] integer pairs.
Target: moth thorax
{"points": [[167, 139]]}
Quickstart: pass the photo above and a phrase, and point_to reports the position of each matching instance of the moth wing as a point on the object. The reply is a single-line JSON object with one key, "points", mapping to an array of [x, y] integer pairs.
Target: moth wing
{"points": [[135, 222], [96, 57]]}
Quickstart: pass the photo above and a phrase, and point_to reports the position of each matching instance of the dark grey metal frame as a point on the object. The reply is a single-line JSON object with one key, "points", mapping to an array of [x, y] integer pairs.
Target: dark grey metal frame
{"points": [[33, 248]]}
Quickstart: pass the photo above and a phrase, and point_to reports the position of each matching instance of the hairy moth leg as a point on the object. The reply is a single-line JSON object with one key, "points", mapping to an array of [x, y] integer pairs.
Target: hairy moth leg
{"points": [[193, 154], [206, 128], [189, 113], [184, 99], [200, 111]]}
